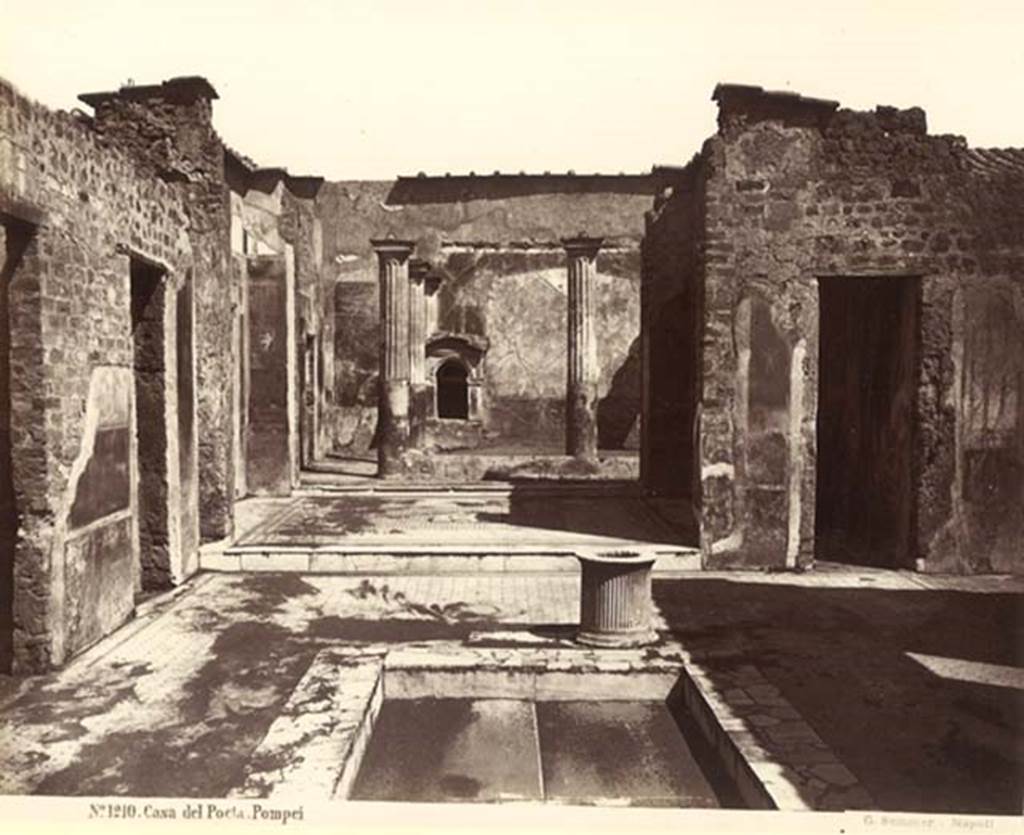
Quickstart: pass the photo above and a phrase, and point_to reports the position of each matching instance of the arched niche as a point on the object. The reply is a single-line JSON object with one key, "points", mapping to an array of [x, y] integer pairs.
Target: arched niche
{"points": [[451, 385], [455, 369]]}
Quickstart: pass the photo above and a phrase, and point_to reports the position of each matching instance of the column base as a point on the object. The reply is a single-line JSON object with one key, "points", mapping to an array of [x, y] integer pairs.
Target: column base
{"points": [[409, 465], [618, 640], [581, 425], [420, 396], [393, 427]]}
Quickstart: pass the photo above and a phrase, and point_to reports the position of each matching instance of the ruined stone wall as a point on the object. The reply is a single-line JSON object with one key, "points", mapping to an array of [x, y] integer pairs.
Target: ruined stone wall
{"points": [[256, 208], [672, 305], [302, 228], [73, 210], [799, 194], [985, 530], [168, 130], [495, 241], [277, 249], [271, 431]]}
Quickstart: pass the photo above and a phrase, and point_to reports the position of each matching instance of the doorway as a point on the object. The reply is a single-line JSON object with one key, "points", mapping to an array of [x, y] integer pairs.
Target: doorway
{"points": [[14, 240], [453, 391], [148, 340], [865, 427]]}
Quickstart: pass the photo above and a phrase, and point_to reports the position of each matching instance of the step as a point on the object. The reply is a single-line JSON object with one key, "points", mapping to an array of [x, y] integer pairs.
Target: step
{"points": [[427, 559], [317, 484]]}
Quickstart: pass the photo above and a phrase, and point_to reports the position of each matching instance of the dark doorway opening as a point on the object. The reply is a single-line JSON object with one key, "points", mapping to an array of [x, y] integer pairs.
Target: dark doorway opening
{"points": [[867, 383], [186, 387], [148, 339], [671, 466], [241, 395], [453, 391], [16, 238], [308, 398]]}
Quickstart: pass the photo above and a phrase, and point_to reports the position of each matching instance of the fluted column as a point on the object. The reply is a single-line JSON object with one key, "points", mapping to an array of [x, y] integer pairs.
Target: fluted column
{"points": [[420, 393], [615, 599], [583, 371], [393, 398]]}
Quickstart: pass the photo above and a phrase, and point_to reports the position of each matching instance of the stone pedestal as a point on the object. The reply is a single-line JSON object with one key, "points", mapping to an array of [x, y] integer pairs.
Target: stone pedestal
{"points": [[615, 599], [581, 355], [393, 397]]}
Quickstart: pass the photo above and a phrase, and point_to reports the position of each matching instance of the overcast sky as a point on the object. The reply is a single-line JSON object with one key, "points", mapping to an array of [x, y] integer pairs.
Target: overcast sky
{"points": [[360, 89]]}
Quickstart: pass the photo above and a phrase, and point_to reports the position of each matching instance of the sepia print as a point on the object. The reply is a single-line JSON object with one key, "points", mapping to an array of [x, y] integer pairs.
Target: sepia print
{"points": [[698, 488]]}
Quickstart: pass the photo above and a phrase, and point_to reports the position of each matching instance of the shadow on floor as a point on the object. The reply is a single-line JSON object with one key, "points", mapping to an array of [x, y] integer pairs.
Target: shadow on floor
{"points": [[622, 516], [621, 513], [918, 741]]}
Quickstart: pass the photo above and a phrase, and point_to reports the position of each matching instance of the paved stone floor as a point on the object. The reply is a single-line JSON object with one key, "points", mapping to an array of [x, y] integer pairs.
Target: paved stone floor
{"points": [[521, 520], [498, 457], [915, 683]]}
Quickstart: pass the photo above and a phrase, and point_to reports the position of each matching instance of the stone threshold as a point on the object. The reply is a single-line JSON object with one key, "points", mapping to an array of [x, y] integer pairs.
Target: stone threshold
{"points": [[315, 747], [315, 487], [425, 559]]}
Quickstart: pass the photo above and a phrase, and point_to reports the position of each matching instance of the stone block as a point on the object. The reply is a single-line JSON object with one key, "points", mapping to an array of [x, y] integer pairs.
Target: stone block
{"points": [[220, 562], [274, 561]]}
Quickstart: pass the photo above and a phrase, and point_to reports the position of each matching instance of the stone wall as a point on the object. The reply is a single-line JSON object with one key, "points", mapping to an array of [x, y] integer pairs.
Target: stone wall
{"points": [[11, 247], [671, 346], [168, 130], [271, 428], [75, 211], [800, 193], [256, 205], [273, 216], [494, 243], [302, 228]]}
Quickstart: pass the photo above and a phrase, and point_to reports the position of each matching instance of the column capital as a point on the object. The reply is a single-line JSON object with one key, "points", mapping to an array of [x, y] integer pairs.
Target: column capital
{"points": [[582, 244], [419, 269], [392, 248]]}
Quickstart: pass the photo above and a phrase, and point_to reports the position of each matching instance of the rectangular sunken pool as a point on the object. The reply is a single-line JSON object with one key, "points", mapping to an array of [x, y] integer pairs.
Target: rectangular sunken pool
{"points": [[461, 749], [496, 719]]}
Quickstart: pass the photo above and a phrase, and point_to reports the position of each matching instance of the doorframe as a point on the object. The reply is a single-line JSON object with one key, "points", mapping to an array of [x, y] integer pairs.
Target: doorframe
{"points": [[911, 558]]}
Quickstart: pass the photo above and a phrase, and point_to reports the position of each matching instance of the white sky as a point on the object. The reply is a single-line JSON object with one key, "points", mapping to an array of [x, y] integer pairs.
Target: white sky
{"points": [[361, 89]]}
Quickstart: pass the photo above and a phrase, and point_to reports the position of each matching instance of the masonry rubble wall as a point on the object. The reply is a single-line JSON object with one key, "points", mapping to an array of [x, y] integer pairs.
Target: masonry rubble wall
{"points": [[75, 210], [273, 214], [168, 130], [673, 253], [799, 191], [302, 228]]}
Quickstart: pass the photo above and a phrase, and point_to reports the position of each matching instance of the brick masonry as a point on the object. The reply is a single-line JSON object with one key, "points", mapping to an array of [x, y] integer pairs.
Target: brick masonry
{"points": [[143, 186], [273, 215], [168, 130], [795, 193], [77, 210]]}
